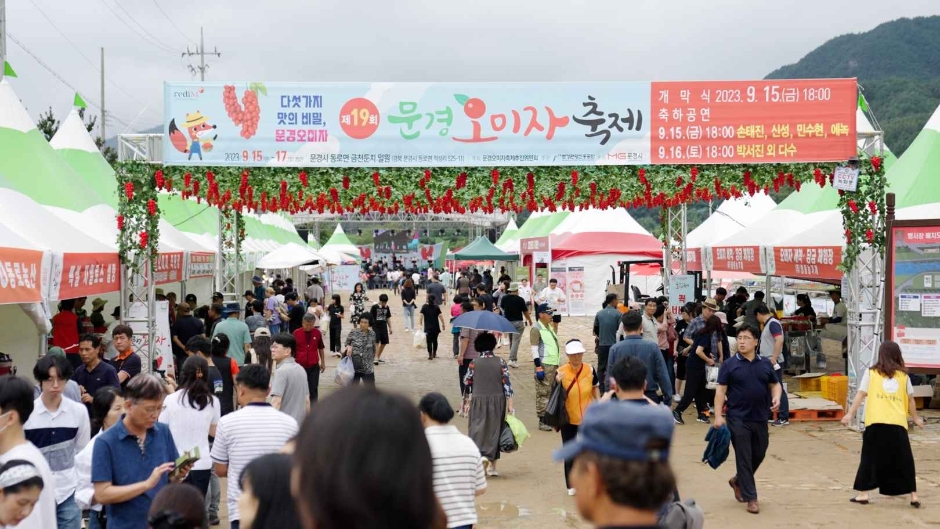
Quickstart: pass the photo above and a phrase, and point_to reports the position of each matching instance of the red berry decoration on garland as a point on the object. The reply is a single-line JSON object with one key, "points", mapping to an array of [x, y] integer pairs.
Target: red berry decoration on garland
{"points": [[375, 177], [873, 207], [561, 191], [574, 178], [151, 207], [870, 235], [876, 163], [345, 182], [853, 206], [158, 176], [187, 180], [129, 190], [848, 236], [303, 179], [120, 222], [143, 239]]}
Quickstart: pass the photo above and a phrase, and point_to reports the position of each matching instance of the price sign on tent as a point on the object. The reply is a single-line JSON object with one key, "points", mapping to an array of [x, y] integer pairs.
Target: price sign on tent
{"points": [[681, 291]]}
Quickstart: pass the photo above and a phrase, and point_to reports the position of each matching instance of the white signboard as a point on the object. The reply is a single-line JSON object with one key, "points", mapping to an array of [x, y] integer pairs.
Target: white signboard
{"points": [[845, 178], [930, 306], [344, 278], [163, 352], [681, 291]]}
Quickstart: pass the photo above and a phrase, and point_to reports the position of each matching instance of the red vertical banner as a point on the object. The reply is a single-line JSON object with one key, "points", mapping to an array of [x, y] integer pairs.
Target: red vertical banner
{"points": [[780, 120]]}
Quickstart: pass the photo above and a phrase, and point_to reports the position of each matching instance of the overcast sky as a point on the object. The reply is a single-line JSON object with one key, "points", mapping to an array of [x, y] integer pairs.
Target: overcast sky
{"points": [[412, 40]]}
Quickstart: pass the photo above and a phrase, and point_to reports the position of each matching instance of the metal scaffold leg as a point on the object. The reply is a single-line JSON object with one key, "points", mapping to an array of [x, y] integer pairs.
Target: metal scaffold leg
{"points": [[865, 325], [138, 306], [228, 266], [676, 228]]}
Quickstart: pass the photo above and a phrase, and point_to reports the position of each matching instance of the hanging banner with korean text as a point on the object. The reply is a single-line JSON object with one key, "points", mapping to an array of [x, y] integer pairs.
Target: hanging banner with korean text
{"points": [[85, 274], [506, 124], [748, 259], [913, 285], [201, 264], [169, 268], [20, 275], [820, 262]]}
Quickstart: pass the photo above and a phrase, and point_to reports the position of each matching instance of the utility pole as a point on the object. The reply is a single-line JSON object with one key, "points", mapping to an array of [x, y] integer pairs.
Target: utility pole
{"points": [[201, 52], [103, 117], [3, 34]]}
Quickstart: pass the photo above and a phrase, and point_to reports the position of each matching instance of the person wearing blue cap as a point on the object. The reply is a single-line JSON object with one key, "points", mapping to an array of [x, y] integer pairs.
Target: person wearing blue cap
{"points": [[619, 464], [236, 331], [258, 284], [546, 353]]}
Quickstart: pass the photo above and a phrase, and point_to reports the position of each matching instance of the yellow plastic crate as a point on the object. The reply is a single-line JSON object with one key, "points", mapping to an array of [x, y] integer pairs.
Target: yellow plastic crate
{"points": [[811, 384], [836, 389]]}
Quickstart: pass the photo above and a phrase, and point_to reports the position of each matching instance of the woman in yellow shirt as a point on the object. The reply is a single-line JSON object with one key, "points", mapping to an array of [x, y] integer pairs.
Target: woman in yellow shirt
{"points": [[887, 463], [582, 386]]}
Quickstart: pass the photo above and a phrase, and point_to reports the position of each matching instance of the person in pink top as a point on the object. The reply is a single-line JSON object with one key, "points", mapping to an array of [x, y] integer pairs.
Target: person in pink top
{"points": [[456, 310], [666, 322]]}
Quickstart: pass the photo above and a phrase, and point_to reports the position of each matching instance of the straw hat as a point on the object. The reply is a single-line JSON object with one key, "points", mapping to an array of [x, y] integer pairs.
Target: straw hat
{"points": [[97, 304], [194, 119]]}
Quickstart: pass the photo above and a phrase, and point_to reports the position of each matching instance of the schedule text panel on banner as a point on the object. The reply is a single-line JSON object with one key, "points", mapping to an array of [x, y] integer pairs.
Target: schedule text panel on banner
{"points": [[507, 124]]}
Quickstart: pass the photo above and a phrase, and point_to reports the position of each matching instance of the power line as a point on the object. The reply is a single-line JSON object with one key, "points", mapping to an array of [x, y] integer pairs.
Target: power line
{"points": [[156, 39], [152, 43], [77, 49], [168, 19], [55, 74]]}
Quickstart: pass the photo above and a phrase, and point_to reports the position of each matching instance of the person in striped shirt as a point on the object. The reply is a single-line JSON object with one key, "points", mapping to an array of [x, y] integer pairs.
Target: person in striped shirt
{"points": [[458, 466], [253, 431]]}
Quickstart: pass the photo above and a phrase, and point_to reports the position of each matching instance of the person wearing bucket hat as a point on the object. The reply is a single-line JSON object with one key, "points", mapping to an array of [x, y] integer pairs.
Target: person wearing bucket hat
{"points": [[583, 388], [97, 313], [236, 331], [619, 464]]}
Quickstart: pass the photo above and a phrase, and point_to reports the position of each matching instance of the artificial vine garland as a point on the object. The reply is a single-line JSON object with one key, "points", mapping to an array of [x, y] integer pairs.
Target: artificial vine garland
{"points": [[138, 219], [863, 212], [478, 189]]}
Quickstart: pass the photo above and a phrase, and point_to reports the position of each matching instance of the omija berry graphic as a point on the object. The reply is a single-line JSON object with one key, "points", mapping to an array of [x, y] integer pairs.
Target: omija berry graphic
{"points": [[248, 116]]}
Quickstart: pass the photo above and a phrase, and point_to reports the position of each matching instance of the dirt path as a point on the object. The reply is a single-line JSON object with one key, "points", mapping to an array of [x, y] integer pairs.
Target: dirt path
{"points": [[805, 481]]}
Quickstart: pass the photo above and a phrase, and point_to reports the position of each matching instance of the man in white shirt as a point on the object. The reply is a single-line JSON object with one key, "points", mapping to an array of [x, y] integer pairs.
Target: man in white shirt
{"points": [[16, 406], [59, 428], [525, 292], [458, 466], [555, 297], [253, 431]]}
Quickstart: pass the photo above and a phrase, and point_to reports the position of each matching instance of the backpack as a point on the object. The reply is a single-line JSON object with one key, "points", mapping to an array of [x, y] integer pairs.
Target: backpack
{"points": [[682, 515]]}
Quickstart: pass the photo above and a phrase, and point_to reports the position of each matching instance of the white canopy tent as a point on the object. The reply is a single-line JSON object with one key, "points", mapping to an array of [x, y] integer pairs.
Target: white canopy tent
{"points": [[290, 255], [731, 216]]}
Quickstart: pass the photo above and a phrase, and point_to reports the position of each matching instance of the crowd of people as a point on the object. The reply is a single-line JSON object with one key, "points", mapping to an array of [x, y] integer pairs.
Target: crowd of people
{"points": [[100, 437]]}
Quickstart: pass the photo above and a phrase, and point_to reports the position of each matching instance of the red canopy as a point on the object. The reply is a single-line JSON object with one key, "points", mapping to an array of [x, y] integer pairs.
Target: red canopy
{"points": [[599, 243]]}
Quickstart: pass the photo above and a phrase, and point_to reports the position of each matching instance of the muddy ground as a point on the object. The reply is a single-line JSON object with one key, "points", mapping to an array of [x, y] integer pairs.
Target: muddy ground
{"points": [[806, 480]]}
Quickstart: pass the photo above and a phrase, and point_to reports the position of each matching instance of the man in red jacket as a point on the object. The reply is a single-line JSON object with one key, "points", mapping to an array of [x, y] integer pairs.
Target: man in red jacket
{"points": [[309, 353]]}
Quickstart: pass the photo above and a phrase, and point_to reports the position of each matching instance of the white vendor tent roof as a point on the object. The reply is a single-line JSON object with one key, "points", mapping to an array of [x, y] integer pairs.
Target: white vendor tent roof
{"points": [[730, 217]]}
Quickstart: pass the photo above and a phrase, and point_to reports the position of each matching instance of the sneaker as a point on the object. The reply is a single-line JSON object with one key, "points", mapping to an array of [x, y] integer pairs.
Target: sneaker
{"points": [[513, 363], [676, 398], [544, 427], [703, 418], [780, 422], [677, 417], [492, 472], [375, 363], [571, 492], [486, 465], [381, 361]]}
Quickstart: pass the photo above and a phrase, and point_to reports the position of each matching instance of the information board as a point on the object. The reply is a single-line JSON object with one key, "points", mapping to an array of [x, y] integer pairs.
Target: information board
{"points": [[508, 124], [914, 286]]}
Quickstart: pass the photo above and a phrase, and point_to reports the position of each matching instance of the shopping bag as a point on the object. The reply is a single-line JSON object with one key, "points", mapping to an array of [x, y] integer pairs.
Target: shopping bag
{"points": [[325, 321], [556, 415], [711, 377], [507, 441], [419, 340], [344, 372], [519, 431]]}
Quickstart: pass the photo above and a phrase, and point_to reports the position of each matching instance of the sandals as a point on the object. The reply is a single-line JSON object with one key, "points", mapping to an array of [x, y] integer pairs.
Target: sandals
{"points": [[915, 504], [858, 501]]}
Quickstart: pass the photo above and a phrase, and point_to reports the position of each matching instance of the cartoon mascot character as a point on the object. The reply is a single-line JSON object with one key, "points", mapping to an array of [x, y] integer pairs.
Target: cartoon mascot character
{"points": [[201, 135]]}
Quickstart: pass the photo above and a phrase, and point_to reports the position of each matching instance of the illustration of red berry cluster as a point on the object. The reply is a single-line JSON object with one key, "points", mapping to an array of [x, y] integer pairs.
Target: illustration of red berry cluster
{"points": [[246, 117]]}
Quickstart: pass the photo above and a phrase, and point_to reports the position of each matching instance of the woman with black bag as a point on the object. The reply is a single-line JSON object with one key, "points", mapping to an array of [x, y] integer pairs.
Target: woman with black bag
{"points": [[582, 387], [490, 393]]}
